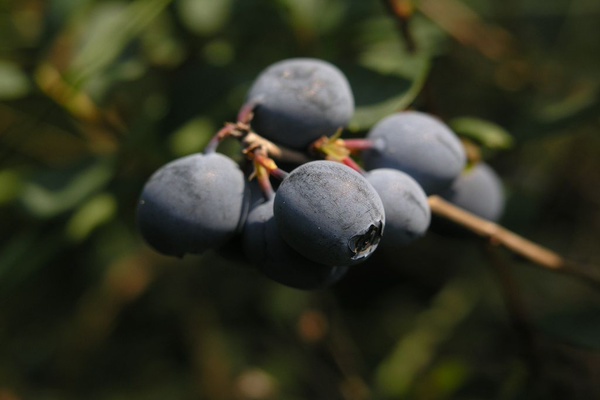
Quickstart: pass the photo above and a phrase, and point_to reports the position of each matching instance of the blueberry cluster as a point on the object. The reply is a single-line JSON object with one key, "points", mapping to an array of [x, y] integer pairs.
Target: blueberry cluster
{"points": [[327, 214]]}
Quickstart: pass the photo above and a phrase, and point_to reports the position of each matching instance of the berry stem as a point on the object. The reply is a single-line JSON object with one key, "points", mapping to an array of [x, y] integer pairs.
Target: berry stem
{"points": [[336, 149], [499, 235], [402, 11], [358, 144], [270, 166], [254, 140], [247, 111], [262, 177], [352, 164], [224, 132], [279, 173]]}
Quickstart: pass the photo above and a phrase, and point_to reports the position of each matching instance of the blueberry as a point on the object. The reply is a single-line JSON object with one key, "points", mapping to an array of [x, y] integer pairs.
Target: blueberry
{"points": [[192, 204], [407, 213], [300, 100], [329, 213], [478, 190], [418, 144], [266, 249]]}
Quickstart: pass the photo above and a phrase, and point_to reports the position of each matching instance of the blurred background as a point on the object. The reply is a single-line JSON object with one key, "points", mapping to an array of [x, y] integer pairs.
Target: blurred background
{"points": [[96, 95]]}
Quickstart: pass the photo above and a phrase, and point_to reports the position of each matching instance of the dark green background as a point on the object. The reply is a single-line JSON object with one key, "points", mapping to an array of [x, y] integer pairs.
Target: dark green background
{"points": [[96, 95]]}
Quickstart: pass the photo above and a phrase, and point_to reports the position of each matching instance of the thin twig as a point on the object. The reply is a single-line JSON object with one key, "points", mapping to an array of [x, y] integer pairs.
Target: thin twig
{"points": [[402, 10], [467, 27], [499, 235]]}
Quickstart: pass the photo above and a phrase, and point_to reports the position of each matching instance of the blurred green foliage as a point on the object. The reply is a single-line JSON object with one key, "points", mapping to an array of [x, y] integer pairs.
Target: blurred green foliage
{"points": [[96, 95]]}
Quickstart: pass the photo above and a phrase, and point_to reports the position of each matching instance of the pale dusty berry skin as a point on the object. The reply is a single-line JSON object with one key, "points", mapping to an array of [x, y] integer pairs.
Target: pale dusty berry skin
{"points": [[192, 204], [300, 100], [478, 190], [418, 144], [329, 213], [407, 213], [265, 248]]}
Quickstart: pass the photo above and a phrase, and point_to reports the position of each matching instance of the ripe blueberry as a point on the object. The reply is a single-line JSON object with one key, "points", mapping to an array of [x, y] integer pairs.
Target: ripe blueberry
{"points": [[300, 100], [419, 145], [478, 190], [192, 204], [264, 247], [407, 213], [329, 213]]}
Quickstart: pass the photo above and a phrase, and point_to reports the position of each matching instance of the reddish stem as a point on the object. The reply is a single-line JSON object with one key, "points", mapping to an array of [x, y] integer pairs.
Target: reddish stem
{"points": [[279, 173], [265, 186], [358, 144], [225, 131], [352, 164], [247, 111], [270, 166]]}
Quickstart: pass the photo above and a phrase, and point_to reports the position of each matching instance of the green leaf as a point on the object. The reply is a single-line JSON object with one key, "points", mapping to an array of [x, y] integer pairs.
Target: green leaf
{"points": [[90, 215], [579, 98], [414, 352], [397, 75], [112, 28], [54, 192], [378, 95], [218, 52], [311, 17], [10, 186], [486, 133], [204, 17], [192, 136], [14, 83], [390, 79], [447, 376]]}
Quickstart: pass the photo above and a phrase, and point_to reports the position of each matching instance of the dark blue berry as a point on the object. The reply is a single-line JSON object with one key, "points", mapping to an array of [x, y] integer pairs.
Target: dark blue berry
{"points": [[418, 144], [407, 213], [192, 204], [478, 190], [300, 100], [266, 249], [329, 213]]}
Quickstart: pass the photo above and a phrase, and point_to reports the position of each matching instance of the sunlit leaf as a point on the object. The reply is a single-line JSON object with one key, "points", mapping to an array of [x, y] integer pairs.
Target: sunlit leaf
{"points": [[415, 350], [310, 17], [447, 376], [114, 29], [219, 52], [579, 98], [90, 215], [160, 43], [285, 303], [54, 192], [13, 81], [192, 137], [204, 16], [10, 185], [486, 133]]}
